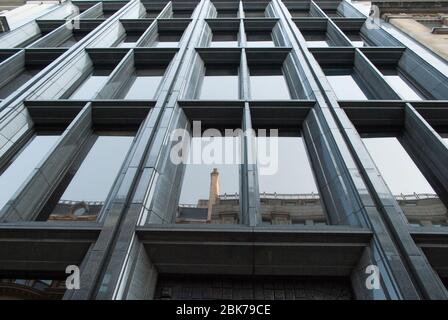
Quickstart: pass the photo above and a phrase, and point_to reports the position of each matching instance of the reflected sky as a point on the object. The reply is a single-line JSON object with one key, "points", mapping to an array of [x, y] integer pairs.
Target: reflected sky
{"points": [[294, 174], [268, 87], [317, 44], [143, 86], [260, 44], [223, 44], [397, 168], [402, 87], [196, 182], [19, 170], [14, 83], [345, 87], [219, 87], [91, 86], [94, 178]]}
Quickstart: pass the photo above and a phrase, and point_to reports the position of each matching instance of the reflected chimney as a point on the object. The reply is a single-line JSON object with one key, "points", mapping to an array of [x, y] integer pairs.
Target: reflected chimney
{"points": [[214, 192]]}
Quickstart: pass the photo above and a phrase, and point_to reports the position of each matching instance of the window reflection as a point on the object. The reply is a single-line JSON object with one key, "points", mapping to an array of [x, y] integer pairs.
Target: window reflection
{"points": [[223, 13], [401, 85], [346, 87], [31, 289], [72, 40], [224, 39], [19, 168], [316, 40], [296, 13], [143, 84], [151, 14], [129, 40], [16, 82], [178, 13], [356, 39], [84, 190], [317, 44], [220, 83], [106, 14], [210, 191], [268, 83], [333, 13], [167, 39], [259, 39], [90, 87], [288, 192], [254, 13], [413, 192]]}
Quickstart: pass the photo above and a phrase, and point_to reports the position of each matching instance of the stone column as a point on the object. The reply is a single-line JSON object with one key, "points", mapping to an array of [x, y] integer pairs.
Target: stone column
{"points": [[214, 192]]}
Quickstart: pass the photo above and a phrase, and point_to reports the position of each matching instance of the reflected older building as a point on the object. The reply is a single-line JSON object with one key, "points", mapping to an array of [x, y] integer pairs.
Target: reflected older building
{"points": [[67, 210], [328, 158], [306, 209]]}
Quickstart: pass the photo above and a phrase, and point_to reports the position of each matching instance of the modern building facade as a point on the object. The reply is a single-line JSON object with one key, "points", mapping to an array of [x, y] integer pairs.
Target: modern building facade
{"points": [[96, 95]]}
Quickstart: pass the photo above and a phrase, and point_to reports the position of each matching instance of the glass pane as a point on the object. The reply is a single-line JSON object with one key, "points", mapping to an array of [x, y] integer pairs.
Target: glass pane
{"points": [[144, 84], [259, 39], [150, 14], [260, 44], [71, 41], [220, 84], [90, 186], [359, 44], [223, 44], [401, 85], [299, 13], [99, 169], [167, 39], [130, 40], [267, 84], [224, 39], [418, 200], [318, 40], [210, 188], [346, 88], [254, 13], [396, 166], [332, 13], [182, 13], [15, 83], [317, 44], [92, 85], [288, 192], [23, 165], [227, 13], [356, 39]]}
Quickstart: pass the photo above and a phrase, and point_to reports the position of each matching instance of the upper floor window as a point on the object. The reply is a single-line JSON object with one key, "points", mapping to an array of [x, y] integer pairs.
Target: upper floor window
{"points": [[87, 184], [259, 39], [224, 39], [268, 83], [144, 83], [346, 86], [220, 83], [401, 85], [17, 170], [91, 85]]}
